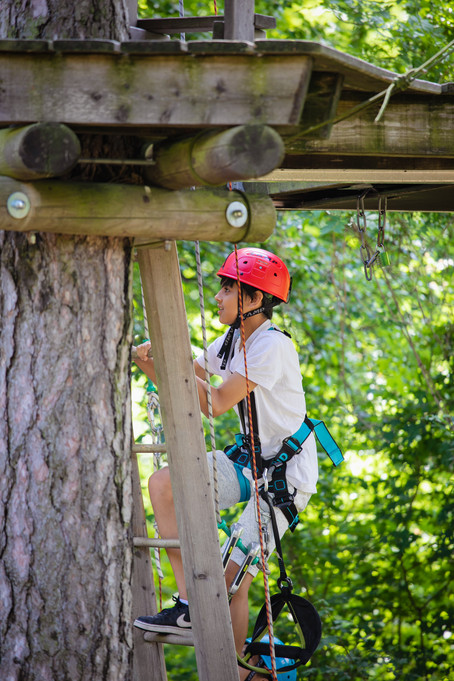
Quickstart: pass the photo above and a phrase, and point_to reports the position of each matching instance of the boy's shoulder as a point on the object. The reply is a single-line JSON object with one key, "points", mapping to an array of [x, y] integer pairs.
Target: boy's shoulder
{"points": [[273, 336]]}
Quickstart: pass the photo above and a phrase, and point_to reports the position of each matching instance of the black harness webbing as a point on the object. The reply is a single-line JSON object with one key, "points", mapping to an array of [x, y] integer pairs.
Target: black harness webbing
{"points": [[302, 612]]}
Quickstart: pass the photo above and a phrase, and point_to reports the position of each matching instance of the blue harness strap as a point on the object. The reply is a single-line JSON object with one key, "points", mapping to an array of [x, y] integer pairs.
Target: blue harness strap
{"points": [[323, 436], [240, 455]]}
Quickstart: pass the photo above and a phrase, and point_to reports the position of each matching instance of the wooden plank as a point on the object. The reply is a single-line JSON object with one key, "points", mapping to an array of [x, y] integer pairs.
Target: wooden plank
{"points": [[214, 158], [92, 46], [146, 90], [204, 24], [172, 639], [148, 660], [361, 175], [412, 125], [215, 653], [219, 46], [401, 198], [23, 45], [146, 213], [153, 47], [358, 74]]}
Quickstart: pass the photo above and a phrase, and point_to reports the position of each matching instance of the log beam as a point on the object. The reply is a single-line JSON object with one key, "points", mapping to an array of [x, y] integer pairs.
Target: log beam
{"points": [[148, 214], [38, 151], [214, 158]]}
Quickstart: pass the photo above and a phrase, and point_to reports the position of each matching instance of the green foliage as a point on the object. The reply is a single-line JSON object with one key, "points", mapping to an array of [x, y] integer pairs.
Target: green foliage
{"points": [[394, 34], [374, 549]]}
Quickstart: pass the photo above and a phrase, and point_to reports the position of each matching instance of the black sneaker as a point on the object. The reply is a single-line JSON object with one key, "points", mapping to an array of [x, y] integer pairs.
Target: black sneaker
{"points": [[170, 620]]}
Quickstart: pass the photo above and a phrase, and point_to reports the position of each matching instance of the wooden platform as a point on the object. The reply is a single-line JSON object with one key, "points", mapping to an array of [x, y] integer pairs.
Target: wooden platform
{"points": [[163, 89]]}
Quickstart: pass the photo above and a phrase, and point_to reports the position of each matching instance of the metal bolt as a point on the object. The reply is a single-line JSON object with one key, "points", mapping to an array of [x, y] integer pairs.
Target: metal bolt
{"points": [[236, 214], [18, 205]]}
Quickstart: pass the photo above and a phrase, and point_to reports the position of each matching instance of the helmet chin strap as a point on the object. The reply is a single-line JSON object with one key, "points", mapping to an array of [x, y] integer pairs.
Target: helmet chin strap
{"points": [[226, 348]]}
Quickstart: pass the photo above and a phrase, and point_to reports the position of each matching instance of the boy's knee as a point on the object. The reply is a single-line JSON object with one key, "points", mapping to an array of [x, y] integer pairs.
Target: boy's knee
{"points": [[159, 485]]}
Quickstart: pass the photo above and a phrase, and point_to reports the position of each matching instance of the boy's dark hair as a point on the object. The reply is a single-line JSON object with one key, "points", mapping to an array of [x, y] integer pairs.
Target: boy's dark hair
{"points": [[268, 301]]}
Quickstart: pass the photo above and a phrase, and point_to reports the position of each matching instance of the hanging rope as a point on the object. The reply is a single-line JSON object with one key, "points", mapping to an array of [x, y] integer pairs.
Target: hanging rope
{"points": [[181, 13], [256, 489], [207, 379]]}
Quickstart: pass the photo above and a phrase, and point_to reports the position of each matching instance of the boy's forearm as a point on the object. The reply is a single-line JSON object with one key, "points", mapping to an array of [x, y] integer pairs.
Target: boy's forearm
{"points": [[147, 366]]}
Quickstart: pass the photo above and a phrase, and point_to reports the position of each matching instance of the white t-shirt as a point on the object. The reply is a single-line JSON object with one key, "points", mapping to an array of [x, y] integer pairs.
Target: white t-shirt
{"points": [[272, 363]]}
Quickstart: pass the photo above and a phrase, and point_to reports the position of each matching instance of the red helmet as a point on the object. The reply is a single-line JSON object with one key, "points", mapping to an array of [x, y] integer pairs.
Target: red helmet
{"points": [[261, 269]]}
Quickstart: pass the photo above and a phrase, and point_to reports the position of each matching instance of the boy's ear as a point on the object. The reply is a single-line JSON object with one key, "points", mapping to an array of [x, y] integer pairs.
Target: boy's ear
{"points": [[258, 298]]}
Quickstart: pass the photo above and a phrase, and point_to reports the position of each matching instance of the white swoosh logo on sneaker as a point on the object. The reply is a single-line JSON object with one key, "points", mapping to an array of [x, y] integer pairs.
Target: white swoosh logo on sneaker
{"points": [[181, 622]]}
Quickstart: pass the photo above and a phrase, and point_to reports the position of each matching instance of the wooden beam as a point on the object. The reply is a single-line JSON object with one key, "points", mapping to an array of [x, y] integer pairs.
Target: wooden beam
{"points": [[172, 25], [401, 198], [239, 20], [38, 151], [215, 158], [412, 125], [153, 83], [193, 495], [146, 213], [172, 639], [362, 175]]}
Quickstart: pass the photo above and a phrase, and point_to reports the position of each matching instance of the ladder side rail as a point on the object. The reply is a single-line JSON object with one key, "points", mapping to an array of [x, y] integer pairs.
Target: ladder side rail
{"points": [[148, 660], [197, 528]]}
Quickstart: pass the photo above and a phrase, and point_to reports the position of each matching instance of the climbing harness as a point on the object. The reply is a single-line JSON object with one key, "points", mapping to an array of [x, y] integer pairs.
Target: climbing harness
{"points": [[273, 488], [273, 471], [380, 256]]}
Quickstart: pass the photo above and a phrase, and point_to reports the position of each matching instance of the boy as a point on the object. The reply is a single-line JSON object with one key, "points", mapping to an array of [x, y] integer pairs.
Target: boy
{"points": [[275, 383]]}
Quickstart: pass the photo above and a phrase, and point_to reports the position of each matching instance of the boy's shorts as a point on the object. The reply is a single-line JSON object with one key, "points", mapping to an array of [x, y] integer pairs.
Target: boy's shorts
{"points": [[229, 492]]}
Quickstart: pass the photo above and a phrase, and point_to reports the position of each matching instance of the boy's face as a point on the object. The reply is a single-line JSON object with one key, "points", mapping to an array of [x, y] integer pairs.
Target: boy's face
{"points": [[227, 300]]}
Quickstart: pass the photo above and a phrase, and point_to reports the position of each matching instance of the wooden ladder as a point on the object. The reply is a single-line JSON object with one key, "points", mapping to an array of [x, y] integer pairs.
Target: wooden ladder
{"points": [[194, 505]]}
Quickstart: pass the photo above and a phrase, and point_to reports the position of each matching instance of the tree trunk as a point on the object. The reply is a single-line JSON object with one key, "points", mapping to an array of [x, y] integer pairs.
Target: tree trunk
{"points": [[65, 497]]}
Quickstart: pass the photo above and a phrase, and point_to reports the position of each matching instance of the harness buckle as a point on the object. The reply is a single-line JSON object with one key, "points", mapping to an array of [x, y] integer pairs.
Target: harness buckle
{"points": [[290, 447]]}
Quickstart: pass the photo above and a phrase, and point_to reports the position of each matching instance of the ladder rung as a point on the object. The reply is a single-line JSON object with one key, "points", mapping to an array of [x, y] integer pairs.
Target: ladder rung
{"points": [[157, 543], [183, 640], [149, 448]]}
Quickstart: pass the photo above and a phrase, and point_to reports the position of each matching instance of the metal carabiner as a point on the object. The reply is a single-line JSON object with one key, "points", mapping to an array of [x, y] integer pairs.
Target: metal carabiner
{"points": [[265, 479]]}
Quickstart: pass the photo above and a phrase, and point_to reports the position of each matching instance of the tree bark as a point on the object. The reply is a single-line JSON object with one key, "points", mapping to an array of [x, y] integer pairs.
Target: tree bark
{"points": [[65, 478], [49, 19], [65, 497]]}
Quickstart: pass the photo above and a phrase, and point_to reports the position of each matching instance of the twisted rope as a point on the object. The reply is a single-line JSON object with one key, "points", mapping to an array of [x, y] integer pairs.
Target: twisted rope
{"points": [[269, 617]]}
